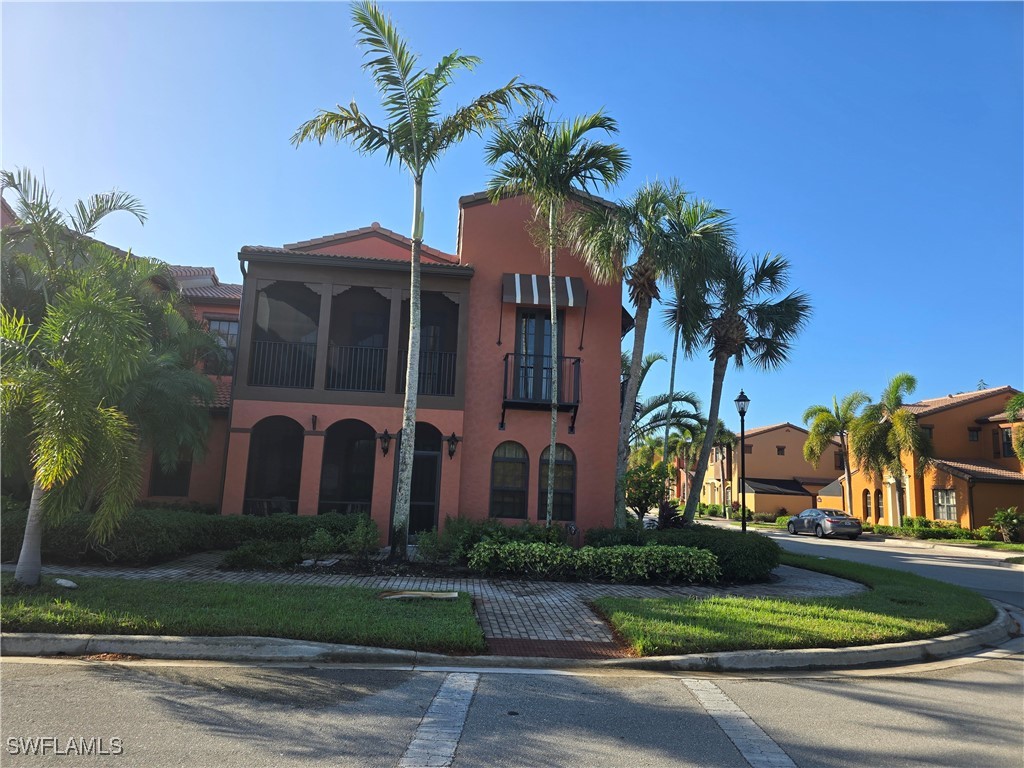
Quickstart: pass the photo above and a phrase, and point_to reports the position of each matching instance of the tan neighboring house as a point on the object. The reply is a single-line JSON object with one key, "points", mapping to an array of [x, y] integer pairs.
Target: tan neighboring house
{"points": [[777, 475], [975, 470]]}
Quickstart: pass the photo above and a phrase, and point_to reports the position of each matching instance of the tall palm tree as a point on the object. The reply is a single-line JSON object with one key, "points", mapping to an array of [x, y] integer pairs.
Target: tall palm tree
{"points": [[827, 424], [415, 136], [738, 320], [552, 163], [634, 238], [885, 431]]}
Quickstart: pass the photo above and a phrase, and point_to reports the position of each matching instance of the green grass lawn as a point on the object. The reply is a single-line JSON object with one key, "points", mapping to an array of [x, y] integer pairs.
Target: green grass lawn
{"points": [[1000, 545], [899, 606], [325, 614]]}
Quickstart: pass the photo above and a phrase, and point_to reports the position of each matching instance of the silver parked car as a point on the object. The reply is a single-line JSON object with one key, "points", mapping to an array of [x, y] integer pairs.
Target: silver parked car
{"points": [[825, 522]]}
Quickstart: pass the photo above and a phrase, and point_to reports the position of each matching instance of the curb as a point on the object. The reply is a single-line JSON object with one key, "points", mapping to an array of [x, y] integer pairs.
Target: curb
{"points": [[269, 649]]}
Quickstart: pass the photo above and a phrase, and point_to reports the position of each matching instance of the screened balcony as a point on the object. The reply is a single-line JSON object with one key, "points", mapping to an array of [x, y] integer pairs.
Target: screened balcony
{"points": [[283, 352], [357, 349]]}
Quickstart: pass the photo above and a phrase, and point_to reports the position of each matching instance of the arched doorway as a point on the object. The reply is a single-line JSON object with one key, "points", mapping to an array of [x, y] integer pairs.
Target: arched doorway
{"points": [[346, 478], [425, 492], [275, 467]]}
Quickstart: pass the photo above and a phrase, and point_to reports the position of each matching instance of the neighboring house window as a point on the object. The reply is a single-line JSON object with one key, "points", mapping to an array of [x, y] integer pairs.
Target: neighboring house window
{"points": [[973, 434], [173, 483], [878, 504], [1007, 442], [748, 448], [945, 504], [840, 465], [997, 448], [867, 504], [780, 450], [510, 472], [927, 432], [226, 332], [565, 484]]}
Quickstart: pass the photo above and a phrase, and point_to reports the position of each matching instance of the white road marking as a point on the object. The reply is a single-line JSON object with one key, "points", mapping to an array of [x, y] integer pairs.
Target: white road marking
{"points": [[755, 745], [437, 737]]}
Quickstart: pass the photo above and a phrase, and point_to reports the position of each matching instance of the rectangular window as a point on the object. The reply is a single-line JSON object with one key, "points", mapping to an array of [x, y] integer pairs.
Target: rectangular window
{"points": [[927, 432], [944, 501], [997, 447], [780, 450], [839, 461], [1007, 433], [748, 448], [226, 332], [174, 483], [973, 434]]}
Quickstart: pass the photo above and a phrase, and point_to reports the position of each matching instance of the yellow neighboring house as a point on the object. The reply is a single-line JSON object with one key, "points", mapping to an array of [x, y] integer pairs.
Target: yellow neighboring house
{"points": [[975, 470], [779, 479]]}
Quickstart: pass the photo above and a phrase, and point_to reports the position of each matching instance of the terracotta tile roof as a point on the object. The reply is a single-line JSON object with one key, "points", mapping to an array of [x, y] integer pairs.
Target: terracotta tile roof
{"points": [[998, 418], [270, 249], [425, 250], [978, 470], [221, 291], [222, 394], [935, 404], [183, 272], [783, 425], [480, 197]]}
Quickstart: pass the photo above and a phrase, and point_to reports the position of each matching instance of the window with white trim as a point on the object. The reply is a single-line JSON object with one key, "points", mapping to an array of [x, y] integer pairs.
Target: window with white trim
{"points": [[944, 502]]}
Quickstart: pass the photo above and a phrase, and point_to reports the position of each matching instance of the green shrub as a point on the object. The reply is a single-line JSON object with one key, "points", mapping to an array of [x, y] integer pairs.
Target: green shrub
{"points": [[428, 547], [363, 540], [917, 522], [988, 533], [461, 535], [1010, 523], [618, 563], [320, 544], [782, 522], [643, 486], [614, 537], [263, 556]]}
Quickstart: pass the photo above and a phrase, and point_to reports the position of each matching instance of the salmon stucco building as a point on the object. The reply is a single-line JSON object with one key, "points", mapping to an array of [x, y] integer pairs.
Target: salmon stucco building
{"points": [[312, 415], [974, 470]]}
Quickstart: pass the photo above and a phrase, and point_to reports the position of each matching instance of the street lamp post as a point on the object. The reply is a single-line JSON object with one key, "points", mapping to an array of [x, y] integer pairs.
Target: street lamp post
{"points": [[742, 403]]}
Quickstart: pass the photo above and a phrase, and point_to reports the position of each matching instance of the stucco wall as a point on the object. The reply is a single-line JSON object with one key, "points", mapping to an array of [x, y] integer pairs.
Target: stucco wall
{"points": [[205, 480]]}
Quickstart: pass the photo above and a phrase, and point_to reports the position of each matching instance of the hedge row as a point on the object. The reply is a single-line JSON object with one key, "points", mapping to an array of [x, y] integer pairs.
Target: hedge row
{"points": [[742, 557], [154, 535], [618, 564]]}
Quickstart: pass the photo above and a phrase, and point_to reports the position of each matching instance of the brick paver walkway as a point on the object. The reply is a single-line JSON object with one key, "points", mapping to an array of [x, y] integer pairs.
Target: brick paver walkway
{"points": [[516, 611]]}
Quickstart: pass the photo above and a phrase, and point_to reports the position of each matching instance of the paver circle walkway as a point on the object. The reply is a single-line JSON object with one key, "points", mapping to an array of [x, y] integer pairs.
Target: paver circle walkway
{"points": [[528, 618]]}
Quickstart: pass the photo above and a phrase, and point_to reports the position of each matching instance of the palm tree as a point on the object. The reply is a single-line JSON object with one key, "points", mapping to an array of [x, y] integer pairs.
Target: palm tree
{"points": [[555, 163], [1015, 413], [634, 238], [885, 431], [738, 320], [55, 383], [416, 135], [829, 424]]}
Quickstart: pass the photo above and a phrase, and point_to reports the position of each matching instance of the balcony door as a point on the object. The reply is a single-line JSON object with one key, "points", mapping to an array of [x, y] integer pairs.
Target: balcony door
{"points": [[533, 353]]}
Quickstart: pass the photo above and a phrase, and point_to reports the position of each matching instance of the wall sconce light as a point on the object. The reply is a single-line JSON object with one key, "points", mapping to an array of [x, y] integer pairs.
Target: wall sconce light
{"points": [[453, 440], [313, 419], [385, 438]]}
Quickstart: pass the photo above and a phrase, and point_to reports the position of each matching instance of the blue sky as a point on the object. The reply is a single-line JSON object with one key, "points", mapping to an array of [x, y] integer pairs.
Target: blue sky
{"points": [[879, 146]]}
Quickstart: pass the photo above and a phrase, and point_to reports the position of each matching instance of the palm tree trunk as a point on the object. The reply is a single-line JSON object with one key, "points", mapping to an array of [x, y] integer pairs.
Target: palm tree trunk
{"points": [[721, 364], [671, 393], [407, 443], [30, 564], [846, 471], [643, 309], [552, 248]]}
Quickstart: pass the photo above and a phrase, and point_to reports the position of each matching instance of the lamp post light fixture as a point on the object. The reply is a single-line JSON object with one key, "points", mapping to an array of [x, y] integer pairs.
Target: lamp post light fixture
{"points": [[742, 403], [385, 438]]}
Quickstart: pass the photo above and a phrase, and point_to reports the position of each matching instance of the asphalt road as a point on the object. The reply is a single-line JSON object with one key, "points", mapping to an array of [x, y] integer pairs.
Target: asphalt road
{"points": [[167, 714], [973, 569]]}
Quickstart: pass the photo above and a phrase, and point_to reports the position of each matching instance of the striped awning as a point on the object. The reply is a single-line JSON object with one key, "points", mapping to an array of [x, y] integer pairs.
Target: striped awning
{"points": [[532, 290]]}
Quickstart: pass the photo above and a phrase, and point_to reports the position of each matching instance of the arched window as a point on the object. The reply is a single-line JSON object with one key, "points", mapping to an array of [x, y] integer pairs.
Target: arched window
{"points": [[510, 474], [275, 467], [346, 478], [565, 484], [867, 505], [878, 503]]}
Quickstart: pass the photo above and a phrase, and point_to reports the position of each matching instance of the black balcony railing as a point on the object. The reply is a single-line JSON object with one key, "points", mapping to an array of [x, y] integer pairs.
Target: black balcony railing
{"points": [[282, 364], [356, 369], [528, 384], [437, 372], [275, 506], [344, 507]]}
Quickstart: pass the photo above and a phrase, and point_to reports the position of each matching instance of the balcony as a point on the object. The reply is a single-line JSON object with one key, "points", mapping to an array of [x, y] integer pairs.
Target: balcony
{"points": [[527, 384], [436, 375], [356, 369], [282, 364]]}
